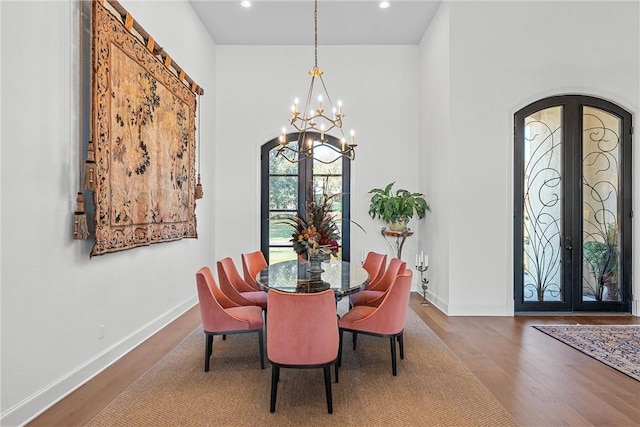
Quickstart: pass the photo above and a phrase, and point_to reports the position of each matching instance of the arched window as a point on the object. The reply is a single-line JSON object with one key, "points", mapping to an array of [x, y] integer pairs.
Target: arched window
{"points": [[284, 190]]}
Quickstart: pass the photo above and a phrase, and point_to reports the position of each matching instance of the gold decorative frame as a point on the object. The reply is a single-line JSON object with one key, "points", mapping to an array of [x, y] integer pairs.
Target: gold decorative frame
{"points": [[143, 128]]}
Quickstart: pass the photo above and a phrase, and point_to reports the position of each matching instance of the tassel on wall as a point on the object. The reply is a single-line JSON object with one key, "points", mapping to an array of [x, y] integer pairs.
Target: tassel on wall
{"points": [[90, 168], [80, 227], [198, 193]]}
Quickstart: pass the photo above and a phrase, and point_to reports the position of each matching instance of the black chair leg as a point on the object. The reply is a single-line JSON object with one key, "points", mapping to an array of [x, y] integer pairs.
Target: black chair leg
{"points": [[208, 347], [261, 342], [336, 365], [274, 386], [355, 339], [340, 348], [224, 337], [327, 387], [392, 340], [401, 342]]}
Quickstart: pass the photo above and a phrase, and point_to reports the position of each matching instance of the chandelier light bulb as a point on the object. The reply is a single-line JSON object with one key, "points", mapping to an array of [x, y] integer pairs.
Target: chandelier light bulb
{"points": [[283, 137]]}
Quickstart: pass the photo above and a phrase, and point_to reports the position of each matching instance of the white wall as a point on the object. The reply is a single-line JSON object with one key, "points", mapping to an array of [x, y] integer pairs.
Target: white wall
{"points": [[256, 87], [54, 298], [434, 149], [503, 56]]}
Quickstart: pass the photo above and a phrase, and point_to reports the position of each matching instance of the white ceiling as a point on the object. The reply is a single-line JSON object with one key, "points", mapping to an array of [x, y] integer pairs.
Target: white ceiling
{"points": [[290, 22]]}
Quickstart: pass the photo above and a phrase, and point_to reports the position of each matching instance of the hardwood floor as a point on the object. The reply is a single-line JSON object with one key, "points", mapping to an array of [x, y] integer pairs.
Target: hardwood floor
{"points": [[539, 380]]}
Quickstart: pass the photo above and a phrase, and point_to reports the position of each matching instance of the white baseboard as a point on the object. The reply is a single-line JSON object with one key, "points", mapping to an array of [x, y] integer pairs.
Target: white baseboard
{"points": [[48, 396], [434, 300], [468, 309]]}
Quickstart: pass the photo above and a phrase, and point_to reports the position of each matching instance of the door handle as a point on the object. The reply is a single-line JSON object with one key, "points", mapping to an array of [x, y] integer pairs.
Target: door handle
{"points": [[569, 245]]}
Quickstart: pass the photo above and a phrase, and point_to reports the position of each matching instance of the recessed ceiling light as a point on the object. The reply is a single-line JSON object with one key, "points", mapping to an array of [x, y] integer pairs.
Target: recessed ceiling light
{"points": [[384, 4], [245, 3]]}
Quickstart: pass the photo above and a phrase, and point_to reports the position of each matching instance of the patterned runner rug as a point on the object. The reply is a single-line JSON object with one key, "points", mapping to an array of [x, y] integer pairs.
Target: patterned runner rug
{"points": [[616, 346], [433, 388]]}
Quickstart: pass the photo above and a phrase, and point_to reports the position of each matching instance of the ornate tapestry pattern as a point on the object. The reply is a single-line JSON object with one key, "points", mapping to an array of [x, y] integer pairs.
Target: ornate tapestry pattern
{"points": [[143, 127]]}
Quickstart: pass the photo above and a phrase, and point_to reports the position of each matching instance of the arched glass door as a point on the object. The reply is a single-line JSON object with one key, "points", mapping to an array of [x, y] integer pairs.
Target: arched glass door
{"points": [[284, 190], [572, 227]]}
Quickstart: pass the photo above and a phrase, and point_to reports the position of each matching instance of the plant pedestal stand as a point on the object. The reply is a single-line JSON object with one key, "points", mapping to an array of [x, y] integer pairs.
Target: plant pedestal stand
{"points": [[400, 237]]}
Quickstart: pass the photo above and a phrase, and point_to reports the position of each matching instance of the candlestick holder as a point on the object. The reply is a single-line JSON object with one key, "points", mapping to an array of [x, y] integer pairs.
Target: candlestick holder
{"points": [[424, 281]]}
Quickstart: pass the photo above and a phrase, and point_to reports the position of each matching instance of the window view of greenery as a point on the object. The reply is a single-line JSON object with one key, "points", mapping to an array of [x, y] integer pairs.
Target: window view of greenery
{"points": [[283, 195]]}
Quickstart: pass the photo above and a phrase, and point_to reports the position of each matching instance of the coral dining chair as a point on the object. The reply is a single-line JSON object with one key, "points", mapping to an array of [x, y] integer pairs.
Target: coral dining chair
{"points": [[374, 294], [234, 286], [221, 316], [387, 320], [252, 263], [375, 264], [302, 332]]}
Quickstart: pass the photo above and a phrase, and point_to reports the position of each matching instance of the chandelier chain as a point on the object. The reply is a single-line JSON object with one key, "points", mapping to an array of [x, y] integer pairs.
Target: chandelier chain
{"points": [[315, 32]]}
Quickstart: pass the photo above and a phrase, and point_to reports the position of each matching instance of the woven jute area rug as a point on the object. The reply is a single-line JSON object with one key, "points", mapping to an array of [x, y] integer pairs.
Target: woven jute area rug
{"points": [[617, 346], [432, 388]]}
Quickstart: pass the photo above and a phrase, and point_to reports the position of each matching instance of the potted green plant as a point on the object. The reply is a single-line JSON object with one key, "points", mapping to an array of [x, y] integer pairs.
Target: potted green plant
{"points": [[602, 262], [396, 208]]}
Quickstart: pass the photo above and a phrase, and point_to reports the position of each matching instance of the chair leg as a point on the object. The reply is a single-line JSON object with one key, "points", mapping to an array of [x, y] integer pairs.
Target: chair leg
{"points": [[401, 342], [336, 365], [264, 310], [275, 373], [392, 340], [355, 339], [340, 348], [261, 343], [327, 388], [224, 337], [208, 347]]}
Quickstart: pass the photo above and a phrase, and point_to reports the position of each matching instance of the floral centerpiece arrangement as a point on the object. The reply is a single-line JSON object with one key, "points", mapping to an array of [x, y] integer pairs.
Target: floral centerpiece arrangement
{"points": [[315, 233]]}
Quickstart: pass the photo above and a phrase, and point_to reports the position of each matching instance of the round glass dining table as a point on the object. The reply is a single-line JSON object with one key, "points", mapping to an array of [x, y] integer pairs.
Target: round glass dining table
{"points": [[343, 277]]}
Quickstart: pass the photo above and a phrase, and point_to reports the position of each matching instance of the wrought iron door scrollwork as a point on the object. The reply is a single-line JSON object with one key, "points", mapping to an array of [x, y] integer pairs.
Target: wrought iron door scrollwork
{"points": [[600, 206], [542, 197]]}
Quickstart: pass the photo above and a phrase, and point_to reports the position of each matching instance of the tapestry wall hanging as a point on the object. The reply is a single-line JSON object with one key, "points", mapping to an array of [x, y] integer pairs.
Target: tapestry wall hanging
{"points": [[143, 130]]}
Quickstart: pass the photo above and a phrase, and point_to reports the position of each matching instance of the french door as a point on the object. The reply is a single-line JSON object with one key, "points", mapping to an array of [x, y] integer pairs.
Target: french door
{"points": [[572, 214]]}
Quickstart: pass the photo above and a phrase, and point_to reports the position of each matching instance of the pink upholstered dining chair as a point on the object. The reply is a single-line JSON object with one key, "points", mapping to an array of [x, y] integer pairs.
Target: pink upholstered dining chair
{"points": [[221, 316], [252, 263], [374, 294], [234, 286], [387, 320], [375, 263], [302, 332]]}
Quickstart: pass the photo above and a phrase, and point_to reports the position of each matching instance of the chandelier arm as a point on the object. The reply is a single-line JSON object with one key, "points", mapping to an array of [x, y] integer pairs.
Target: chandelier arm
{"points": [[297, 159], [305, 116], [327, 92]]}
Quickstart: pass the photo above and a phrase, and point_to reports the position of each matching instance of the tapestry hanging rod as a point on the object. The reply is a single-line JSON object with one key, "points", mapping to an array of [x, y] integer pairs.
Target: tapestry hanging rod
{"points": [[130, 24]]}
